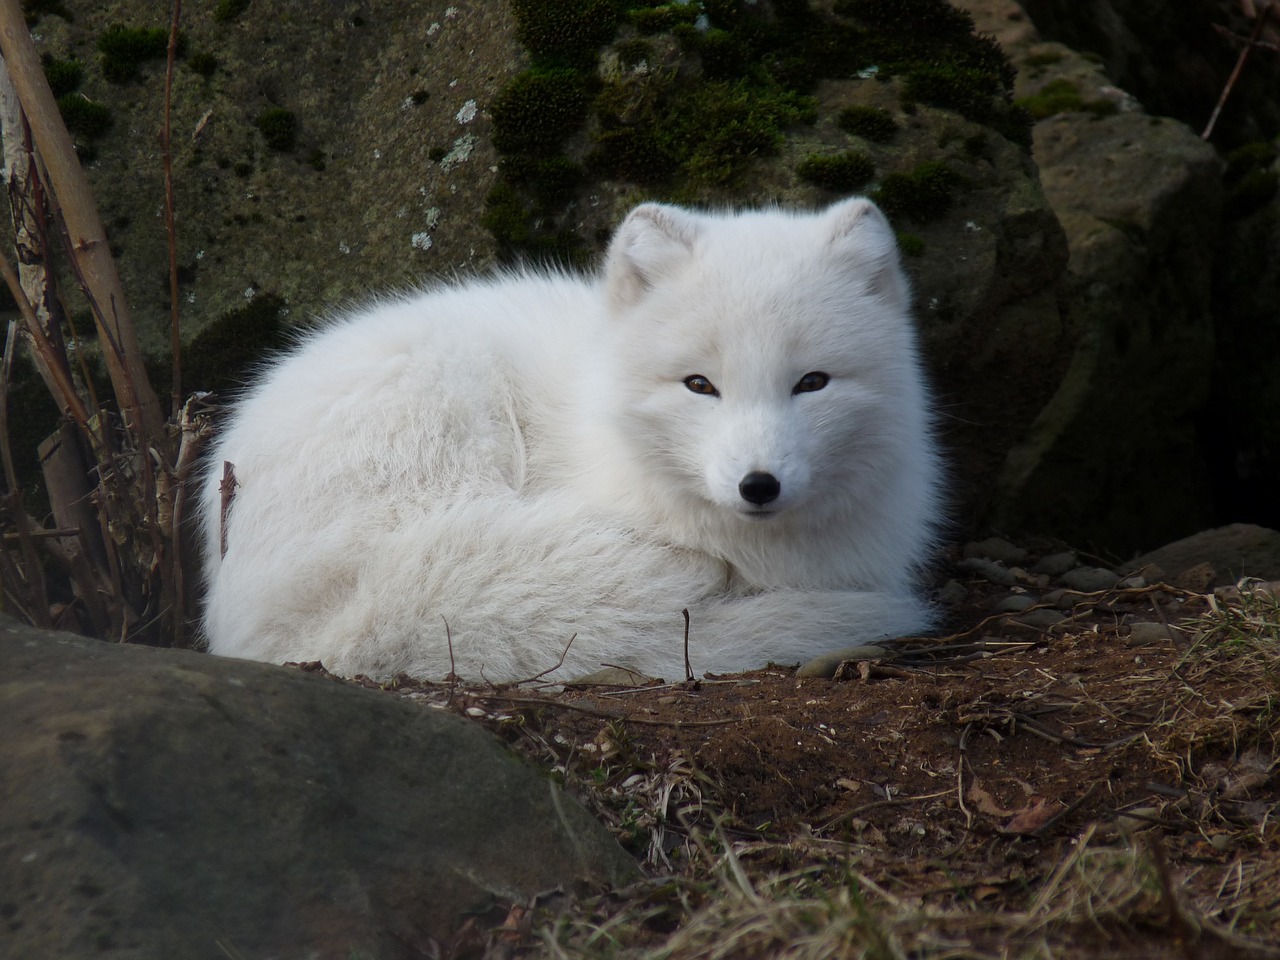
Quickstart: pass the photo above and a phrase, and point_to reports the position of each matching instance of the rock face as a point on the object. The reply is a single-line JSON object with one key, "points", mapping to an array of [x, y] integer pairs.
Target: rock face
{"points": [[1115, 455], [1175, 64], [1074, 369], [163, 803]]}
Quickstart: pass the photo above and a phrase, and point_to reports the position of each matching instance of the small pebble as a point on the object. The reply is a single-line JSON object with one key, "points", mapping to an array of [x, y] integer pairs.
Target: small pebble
{"points": [[1062, 599], [1016, 603], [993, 548], [953, 593], [1090, 579], [1134, 582], [989, 570], [1056, 564], [474, 712], [827, 664], [1141, 634], [1040, 619]]}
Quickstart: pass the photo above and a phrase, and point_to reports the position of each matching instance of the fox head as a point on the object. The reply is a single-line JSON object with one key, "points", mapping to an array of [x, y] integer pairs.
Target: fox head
{"points": [[762, 359]]}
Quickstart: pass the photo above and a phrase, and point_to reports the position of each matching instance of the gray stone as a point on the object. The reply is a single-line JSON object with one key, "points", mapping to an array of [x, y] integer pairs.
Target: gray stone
{"points": [[1090, 579], [1016, 603], [989, 570], [1040, 619], [1143, 634], [994, 548], [827, 664], [952, 593], [165, 803], [1056, 564]]}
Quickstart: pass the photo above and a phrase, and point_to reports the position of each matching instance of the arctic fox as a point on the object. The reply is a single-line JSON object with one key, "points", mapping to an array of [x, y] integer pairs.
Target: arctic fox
{"points": [[731, 418]]}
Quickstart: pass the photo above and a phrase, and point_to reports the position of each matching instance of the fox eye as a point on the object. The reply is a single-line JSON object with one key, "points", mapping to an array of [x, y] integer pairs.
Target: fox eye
{"points": [[811, 382], [700, 384]]}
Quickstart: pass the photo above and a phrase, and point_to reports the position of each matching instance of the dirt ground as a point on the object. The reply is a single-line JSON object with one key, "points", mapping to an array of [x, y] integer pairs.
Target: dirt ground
{"points": [[1102, 789]]}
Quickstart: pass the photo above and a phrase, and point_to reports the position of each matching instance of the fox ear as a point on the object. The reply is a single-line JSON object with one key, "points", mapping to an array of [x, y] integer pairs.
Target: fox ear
{"points": [[860, 234], [652, 243]]}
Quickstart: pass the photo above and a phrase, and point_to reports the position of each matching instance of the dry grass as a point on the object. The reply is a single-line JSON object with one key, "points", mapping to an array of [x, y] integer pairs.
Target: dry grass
{"points": [[1190, 871]]}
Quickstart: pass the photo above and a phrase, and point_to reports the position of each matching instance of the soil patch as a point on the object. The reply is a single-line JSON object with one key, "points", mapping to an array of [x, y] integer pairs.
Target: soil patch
{"points": [[1106, 782]]}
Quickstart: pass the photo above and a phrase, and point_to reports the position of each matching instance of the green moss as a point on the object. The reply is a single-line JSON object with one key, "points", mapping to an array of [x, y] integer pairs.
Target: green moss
{"points": [[631, 53], [910, 244], [1246, 159], [316, 160], [221, 355], [702, 134], [83, 117], [842, 173], [870, 123], [1250, 178], [943, 63], [721, 127], [924, 194], [33, 10], [203, 63], [539, 109], [64, 76], [279, 128], [227, 10], [551, 181], [510, 216], [1045, 58], [657, 17], [635, 153], [929, 20], [507, 216], [688, 129], [723, 55], [242, 168], [564, 32], [124, 49], [969, 91], [1063, 96]]}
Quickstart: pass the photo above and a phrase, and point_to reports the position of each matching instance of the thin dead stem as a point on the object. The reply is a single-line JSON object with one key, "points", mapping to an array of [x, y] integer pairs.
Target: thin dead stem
{"points": [[1260, 23], [171, 232]]}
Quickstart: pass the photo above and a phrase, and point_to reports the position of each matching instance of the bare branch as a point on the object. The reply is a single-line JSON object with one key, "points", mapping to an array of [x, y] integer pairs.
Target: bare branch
{"points": [[166, 154], [88, 238]]}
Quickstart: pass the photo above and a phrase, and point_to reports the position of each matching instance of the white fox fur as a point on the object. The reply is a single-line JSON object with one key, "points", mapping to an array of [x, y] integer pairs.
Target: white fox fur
{"points": [[525, 459]]}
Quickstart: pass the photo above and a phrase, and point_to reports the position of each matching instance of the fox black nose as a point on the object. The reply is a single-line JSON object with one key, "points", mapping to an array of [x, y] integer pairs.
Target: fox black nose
{"points": [[759, 488]]}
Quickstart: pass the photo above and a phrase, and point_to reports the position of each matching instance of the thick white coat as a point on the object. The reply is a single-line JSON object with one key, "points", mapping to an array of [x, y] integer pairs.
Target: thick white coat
{"points": [[517, 462]]}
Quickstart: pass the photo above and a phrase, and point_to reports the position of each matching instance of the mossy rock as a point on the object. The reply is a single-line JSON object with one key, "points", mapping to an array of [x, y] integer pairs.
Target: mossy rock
{"points": [[842, 173], [870, 123], [124, 49], [221, 355], [279, 128], [565, 32], [1063, 96], [923, 194], [539, 109]]}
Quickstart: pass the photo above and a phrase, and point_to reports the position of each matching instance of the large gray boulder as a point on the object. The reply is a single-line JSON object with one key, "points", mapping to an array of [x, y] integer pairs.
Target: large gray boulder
{"points": [[164, 803]]}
